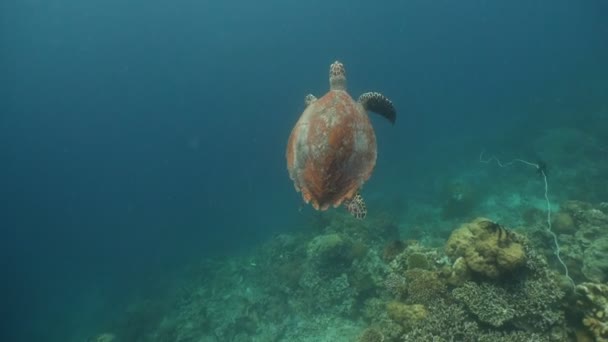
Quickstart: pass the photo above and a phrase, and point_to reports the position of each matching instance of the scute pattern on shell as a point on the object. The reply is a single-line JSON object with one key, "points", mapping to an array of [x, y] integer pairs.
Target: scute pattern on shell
{"points": [[332, 150]]}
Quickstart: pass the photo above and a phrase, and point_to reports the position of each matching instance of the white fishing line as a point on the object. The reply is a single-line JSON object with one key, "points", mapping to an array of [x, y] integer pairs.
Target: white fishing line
{"points": [[549, 227]]}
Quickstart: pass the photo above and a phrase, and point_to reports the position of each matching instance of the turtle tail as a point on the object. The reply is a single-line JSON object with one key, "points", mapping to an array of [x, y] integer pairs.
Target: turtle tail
{"points": [[356, 206]]}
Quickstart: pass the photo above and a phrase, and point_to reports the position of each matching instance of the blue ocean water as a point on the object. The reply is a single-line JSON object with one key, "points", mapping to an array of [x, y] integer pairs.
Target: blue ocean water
{"points": [[138, 136]]}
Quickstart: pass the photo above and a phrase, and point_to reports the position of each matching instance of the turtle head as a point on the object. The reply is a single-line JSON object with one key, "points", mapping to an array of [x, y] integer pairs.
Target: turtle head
{"points": [[337, 76]]}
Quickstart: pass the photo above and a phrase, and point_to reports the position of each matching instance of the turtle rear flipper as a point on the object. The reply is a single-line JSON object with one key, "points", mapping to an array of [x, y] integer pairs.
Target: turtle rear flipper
{"points": [[356, 206], [380, 104]]}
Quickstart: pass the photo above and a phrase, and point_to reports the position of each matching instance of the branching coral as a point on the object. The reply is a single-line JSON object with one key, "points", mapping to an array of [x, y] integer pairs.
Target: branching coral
{"points": [[530, 301], [447, 322], [327, 295], [595, 260], [592, 300], [424, 287], [396, 285], [489, 303]]}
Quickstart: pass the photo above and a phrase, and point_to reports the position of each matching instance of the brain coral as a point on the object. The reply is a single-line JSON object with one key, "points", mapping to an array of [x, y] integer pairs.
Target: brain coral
{"points": [[486, 247]]}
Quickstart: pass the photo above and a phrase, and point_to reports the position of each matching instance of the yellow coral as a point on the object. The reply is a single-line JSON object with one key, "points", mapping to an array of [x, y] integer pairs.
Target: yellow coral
{"points": [[406, 315], [563, 223], [593, 300], [582, 336], [598, 328], [458, 273], [486, 247]]}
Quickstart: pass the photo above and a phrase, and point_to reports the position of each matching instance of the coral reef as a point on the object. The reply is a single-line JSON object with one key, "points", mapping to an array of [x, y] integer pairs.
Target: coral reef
{"points": [[396, 284], [528, 303], [444, 322], [458, 272], [371, 335], [582, 229], [487, 248], [592, 301], [424, 286], [406, 315], [336, 285], [417, 260], [489, 303], [330, 253], [563, 223], [531, 306], [595, 260], [448, 322], [328, 249]]}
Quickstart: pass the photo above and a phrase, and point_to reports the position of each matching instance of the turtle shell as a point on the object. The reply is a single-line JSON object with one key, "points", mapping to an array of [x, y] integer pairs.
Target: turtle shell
{"points": [[331, 151]]}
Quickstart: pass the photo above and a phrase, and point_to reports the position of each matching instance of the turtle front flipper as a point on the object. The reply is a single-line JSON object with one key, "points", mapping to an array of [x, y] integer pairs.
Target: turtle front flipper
{"points": [[380, 104], [356, 206], [310, 98]]}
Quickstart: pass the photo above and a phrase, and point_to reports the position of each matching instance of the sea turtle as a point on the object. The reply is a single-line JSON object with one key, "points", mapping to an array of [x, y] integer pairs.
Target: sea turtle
{"points": [[331, 151]]}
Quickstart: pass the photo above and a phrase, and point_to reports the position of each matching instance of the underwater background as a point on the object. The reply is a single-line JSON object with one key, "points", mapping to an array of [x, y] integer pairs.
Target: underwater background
{"points": [[142, 160]]}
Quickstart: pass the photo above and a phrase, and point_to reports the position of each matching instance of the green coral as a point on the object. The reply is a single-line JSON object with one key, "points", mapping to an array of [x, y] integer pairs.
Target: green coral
{"points": [[418, 260]]}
